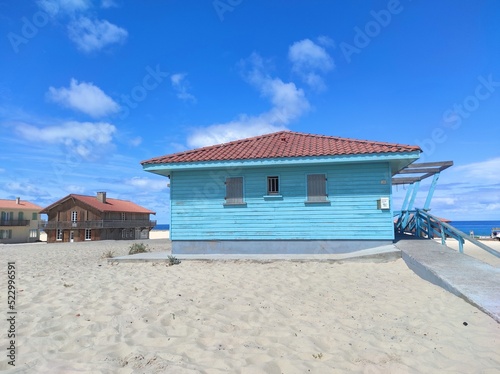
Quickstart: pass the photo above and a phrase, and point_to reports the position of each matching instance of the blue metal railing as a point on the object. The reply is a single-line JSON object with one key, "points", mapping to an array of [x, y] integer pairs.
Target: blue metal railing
{"points": [[422, 224]]}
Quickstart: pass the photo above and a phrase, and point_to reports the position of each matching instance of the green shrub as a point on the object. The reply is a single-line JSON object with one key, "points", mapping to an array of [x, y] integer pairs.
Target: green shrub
{"points": [[173, 260], [108, 254], [138, 248]]}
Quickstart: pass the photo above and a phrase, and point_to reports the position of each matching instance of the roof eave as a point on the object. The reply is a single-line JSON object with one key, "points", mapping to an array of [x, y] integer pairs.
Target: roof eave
{"points": [[164, 169]]}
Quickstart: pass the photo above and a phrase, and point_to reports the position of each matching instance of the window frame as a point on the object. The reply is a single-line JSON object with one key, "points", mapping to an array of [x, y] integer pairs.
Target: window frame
{"points": [[236, 200], [74, 216], [273, 185], [309, 197], [88, 234], [59, 237]]}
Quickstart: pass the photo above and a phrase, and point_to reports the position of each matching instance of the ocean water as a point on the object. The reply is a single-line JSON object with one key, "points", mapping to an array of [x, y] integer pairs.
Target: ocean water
{"points": [[162, 226], [480, 228]]}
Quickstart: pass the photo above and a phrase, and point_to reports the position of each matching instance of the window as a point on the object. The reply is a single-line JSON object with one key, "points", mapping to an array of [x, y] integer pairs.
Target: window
{"points": [[124, 216], [34, 216], [273, 186], [316, 188], [59, 234], [5, 234], [234, 191], [34, 233], [7, 216], [20, 216], [126, 233], [74, 216], [88, 234]]}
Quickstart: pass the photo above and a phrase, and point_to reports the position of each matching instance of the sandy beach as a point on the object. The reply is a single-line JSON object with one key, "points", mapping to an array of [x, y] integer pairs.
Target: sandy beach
{"points": [[78, 314], [476, 252]]}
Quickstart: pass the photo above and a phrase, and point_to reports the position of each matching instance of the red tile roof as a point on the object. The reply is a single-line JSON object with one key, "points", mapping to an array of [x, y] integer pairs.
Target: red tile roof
{"points": [[280, 145], [23, 204], [111, 205]]}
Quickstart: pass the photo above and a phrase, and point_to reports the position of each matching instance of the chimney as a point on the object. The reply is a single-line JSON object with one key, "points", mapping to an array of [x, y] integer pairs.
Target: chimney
{"points": [[101, 196], [18, 200]]}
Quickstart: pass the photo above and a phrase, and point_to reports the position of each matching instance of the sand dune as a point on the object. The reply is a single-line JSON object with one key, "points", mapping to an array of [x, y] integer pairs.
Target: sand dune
{"points": [[79, 314]]}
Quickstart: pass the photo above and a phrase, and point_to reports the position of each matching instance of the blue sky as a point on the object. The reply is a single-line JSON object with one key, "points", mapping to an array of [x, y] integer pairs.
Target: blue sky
{"points": [[90, 88]]}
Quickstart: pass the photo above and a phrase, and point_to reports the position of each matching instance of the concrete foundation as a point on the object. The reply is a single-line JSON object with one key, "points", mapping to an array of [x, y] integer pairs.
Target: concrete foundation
{"points": [[246, 247]]}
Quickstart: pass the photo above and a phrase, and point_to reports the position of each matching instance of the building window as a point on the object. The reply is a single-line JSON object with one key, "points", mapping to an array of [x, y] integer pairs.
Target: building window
{"points": [[34, 233], [126, 233], [20, 216], [88, 234], [234, 191], [74, 216], [34, 216], [59, 234], [316, 188], [5, 234], [273, 185], [124, 216]]}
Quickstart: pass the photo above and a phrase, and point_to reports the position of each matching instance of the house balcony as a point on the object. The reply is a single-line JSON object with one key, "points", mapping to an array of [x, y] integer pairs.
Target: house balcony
{"points": [[15, 222], [99, 224]]}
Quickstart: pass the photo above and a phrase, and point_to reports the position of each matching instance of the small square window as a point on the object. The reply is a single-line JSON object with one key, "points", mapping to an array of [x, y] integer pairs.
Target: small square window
{"points": [[273, 185]]}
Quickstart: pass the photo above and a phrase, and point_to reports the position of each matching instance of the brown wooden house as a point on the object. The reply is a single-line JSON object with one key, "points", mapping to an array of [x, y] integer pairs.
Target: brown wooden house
{"points": [[77, 218]]}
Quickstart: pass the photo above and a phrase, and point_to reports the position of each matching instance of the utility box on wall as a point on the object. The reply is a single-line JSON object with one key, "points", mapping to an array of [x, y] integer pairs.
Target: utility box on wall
{"points": [[383, 203]]}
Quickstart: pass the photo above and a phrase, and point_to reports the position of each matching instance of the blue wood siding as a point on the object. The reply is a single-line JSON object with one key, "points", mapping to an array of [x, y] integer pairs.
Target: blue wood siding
{"points": [[198, 211]]}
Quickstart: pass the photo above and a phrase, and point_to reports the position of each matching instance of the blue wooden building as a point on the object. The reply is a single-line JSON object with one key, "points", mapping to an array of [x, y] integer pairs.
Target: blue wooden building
{"points": [[284, 192]]}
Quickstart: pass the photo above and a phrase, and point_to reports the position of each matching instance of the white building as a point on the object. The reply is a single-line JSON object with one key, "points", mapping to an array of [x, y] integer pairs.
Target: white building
{"points": [[19, 221]]}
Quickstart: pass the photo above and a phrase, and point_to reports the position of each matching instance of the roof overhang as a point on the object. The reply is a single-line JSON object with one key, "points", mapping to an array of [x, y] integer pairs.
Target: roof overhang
{"points": [[398, 161], [417, 172]]}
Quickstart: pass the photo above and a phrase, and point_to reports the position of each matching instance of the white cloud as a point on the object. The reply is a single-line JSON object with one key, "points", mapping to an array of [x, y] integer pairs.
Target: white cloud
{"points": [[92, 35], [326, 41], [85, 97], [100, 132], [59, 7], [108, 4], [487, 171], [148, 183], [289, 103], [310, 61], [84, 139], [181, 86], [75, 188], [135, 141]]}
